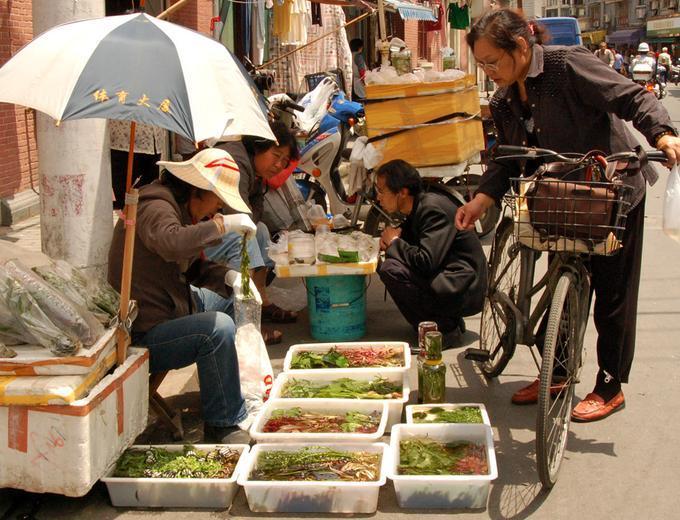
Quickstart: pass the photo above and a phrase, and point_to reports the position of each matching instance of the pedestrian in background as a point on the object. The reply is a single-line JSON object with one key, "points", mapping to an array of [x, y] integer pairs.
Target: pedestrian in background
{"points": [[605, 55]]}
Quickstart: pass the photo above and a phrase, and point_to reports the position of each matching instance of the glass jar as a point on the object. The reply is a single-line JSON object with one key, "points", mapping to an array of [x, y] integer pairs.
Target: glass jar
{"points": [[433, 386]]}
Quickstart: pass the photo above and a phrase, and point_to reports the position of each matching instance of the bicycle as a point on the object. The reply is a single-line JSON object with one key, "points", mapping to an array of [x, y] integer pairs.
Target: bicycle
{"points": [[573, 207]]}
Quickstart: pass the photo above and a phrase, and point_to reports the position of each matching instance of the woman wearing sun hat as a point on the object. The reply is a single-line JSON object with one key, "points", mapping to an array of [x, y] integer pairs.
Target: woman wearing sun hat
{"points": [[183, 297]]}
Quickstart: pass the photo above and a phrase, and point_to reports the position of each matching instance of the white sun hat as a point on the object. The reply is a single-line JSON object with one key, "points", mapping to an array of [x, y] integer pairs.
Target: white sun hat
{"points": [[212, 169]]}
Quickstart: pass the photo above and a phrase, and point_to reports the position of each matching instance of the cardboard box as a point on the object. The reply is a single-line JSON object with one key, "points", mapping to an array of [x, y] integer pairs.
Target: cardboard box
{"points": [[65, 449]]}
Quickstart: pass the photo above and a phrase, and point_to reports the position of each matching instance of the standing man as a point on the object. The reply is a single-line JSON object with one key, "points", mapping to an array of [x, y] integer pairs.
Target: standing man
{"points": [[665, 60], [433, 271], [618, 62], [605, 55]]}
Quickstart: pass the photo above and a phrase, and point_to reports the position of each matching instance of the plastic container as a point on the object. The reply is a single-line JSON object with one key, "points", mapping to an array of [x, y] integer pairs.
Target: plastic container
{"points": [[313, 497], [394, 406], [413, 408], [325, 347], [443, 491], [337, 307], [338, 406], [301, 249], [194, 493]]}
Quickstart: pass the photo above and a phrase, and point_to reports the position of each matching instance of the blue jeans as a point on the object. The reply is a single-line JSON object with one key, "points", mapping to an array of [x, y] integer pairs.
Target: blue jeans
{"points": [[207, 339]]}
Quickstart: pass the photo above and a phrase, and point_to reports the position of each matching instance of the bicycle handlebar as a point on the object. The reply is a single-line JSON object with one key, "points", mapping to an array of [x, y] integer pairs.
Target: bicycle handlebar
{"points": [[522, 152]]}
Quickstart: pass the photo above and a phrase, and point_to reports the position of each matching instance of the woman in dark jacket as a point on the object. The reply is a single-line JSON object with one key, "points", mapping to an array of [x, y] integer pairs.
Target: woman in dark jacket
{"points": [[565, 99]]}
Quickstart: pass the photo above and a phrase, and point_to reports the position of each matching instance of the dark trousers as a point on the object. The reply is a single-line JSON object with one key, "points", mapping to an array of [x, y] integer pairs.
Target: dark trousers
{"points": [[616, 283], [415, 299]]}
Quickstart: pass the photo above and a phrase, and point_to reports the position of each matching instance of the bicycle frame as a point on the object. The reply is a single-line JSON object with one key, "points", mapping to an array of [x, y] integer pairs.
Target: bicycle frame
{"points": [[526, 320]]}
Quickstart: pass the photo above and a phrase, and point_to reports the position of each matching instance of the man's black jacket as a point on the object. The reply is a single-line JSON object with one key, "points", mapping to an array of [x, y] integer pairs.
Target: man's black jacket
{"points": [[452, 261]]}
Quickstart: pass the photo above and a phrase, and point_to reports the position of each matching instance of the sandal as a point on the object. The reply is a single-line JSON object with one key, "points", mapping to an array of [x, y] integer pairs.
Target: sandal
{"points": [[272, 336], [272, 313]]}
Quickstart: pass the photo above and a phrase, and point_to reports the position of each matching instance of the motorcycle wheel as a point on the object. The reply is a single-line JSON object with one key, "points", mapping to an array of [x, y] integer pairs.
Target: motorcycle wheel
{"points": [[467, 184], [375, 223]]}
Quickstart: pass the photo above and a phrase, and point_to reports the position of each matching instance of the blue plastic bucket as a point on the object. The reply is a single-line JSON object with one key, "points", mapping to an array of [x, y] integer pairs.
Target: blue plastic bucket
{"points": [[337, 307]]}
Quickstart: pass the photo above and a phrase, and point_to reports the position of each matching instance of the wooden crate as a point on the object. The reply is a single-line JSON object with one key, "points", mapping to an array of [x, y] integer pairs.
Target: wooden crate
{"points": [[391, 108], [383, 117], [434, 145]]}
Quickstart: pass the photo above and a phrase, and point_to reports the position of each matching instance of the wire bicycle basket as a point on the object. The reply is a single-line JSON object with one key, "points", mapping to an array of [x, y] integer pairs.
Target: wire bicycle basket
{"points": [[580, 217]]}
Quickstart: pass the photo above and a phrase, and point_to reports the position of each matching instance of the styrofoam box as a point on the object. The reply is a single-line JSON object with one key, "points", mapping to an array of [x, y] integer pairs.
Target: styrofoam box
{"points": [[413, 408], [338, 406], [65, 449], [325, 347], [443, 491], [394, 406], [195, 493], [313, 497]]}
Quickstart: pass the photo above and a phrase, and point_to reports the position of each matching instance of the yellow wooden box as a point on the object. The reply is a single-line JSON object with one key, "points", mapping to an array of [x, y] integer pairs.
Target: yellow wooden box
{"points": [[391, 109], [434, 145]]}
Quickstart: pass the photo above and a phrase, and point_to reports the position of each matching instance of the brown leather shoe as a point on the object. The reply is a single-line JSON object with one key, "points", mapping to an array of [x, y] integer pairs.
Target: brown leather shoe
{"points": [[593, 407], [529, 394]]}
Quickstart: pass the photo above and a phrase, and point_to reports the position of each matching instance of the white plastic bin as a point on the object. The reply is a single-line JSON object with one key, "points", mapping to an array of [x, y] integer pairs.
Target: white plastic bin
{"points": [[394, 406], [413, 408], [443, 491], [313, 497], [325, 347], [194, 493], [338, 406]]}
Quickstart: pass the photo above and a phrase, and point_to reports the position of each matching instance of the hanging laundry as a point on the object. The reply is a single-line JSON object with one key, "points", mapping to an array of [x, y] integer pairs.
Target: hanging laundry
{"points": [[281, 26], [316, 14], [436, 26], [459, 15], [259, 31]]}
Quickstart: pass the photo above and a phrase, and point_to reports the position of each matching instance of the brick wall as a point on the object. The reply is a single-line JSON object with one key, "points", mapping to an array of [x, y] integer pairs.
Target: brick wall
{"points": [[18, 155], [196, 14]]}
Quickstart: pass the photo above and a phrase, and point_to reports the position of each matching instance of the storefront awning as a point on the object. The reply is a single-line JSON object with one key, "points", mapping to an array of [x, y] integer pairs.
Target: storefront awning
{"points": [[664, 28], [412, 11], [626, 36]]}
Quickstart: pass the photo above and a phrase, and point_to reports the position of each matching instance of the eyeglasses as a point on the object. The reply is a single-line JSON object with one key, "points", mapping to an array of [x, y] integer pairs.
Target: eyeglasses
{"points": [[490, 67]]}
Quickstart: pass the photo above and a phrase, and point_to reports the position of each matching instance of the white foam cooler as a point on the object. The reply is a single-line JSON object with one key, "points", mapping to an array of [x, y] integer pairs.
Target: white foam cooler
{"points": [[65, 449]]}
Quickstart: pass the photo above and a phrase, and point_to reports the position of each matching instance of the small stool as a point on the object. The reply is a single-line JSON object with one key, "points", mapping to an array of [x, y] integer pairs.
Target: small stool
{"points": [[169, 417]]}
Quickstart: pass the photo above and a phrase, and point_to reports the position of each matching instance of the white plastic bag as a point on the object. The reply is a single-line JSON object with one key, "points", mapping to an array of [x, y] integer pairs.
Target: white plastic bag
{"points": [[671, 205], [255, 368]]}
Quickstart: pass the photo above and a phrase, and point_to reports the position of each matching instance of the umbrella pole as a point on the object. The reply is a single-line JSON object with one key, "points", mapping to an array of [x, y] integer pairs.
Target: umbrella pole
{"points": [[130, 216]]}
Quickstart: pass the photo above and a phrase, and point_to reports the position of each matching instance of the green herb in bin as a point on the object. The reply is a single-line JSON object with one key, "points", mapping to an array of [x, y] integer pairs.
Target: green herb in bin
{"points": [[188, 463], [421, 456], [437, 414], [344, 388], [317, 463], [245, 268]]}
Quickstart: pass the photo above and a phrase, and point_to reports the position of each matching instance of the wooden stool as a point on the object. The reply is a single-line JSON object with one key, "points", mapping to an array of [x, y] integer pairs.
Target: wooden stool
{"points": [[169, 417]]}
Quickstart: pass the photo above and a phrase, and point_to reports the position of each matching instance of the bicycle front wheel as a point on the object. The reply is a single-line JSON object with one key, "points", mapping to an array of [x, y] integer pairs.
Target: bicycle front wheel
{"points": [[497, 329], [559, 374]]}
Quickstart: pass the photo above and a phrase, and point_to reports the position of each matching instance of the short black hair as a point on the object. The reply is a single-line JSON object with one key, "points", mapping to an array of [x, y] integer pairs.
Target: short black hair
{"points": [[356, 44], [399, 174], [256, 145]]}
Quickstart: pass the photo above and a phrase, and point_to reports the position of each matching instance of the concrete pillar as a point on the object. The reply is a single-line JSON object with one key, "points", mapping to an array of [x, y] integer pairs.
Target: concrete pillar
{"points": [[75, 166]]}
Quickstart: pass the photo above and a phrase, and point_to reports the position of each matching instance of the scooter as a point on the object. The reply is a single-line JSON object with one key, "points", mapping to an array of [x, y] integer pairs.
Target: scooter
{"points": [[643, 74], [674, 76]]}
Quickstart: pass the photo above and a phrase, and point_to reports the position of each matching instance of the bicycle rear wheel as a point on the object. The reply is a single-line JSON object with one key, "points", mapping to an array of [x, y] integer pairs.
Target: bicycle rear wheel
{"points": [[559, 374], [497, 330]]}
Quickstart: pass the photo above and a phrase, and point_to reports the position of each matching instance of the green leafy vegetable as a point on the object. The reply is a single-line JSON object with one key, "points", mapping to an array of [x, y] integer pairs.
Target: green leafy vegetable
{"points": [[427, 457], [349, 357], [245, 269], [316, 463], [294, 420], [465, 414], [345, 388], [189, 463]]}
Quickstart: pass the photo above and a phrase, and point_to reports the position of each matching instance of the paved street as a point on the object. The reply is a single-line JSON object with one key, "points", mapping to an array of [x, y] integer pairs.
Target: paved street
{"points": [[625, 467]]}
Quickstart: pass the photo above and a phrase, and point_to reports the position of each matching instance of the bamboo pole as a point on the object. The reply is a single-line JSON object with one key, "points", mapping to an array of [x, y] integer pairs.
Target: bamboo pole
{"points": [[126, 281], [352, 21], [170, 10]]}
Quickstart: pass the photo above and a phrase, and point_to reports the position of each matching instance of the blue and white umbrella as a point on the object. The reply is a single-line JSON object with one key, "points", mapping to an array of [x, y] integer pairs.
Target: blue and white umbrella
{"points": [[136, 68]]}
